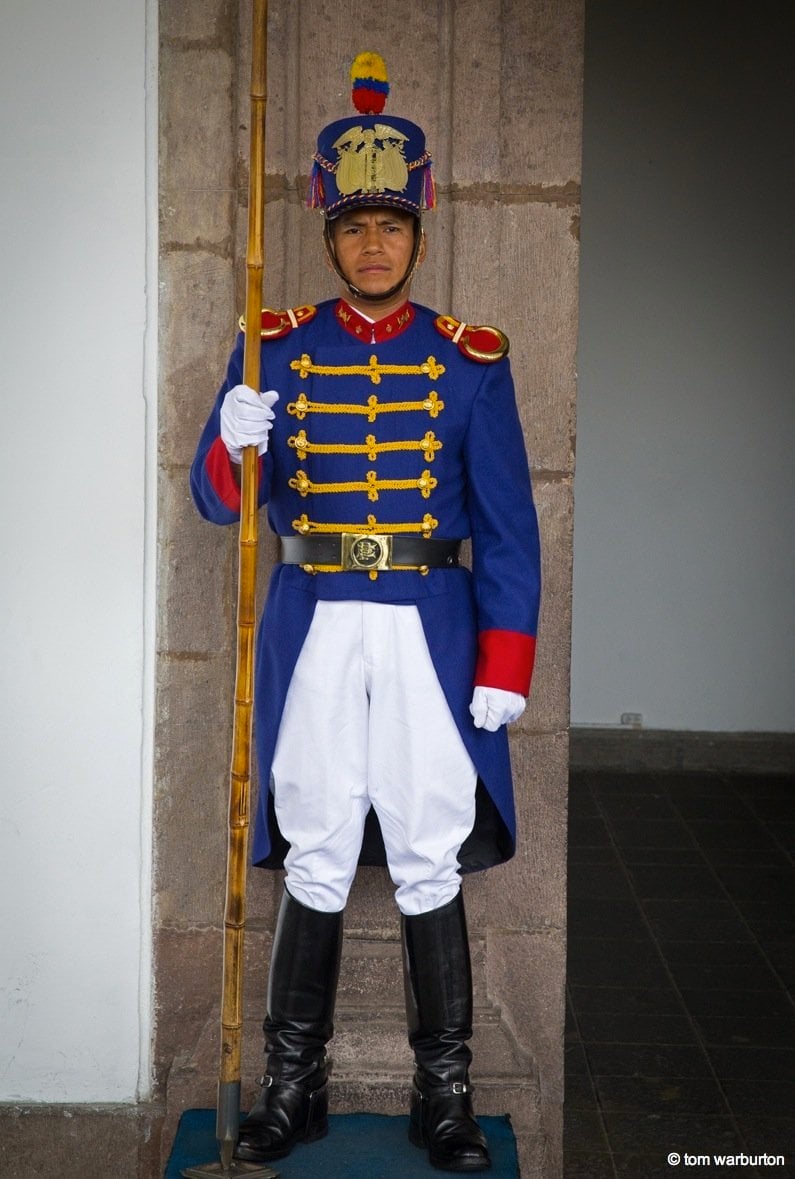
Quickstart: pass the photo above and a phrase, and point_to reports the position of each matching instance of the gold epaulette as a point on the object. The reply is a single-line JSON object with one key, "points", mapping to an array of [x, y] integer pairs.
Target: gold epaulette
{"points": [[275, 324], [478, 342]]}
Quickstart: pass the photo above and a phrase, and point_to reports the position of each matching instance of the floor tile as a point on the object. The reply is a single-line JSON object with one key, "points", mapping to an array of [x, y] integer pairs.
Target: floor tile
{"points": [[781, 956], [735, 1004], [588, 832], [648, 1000], [647, 1166], [576, 1064], [773, 1136], [692, 783], [681, 1035], [587, 1165], [602, 782], [654, 1060], [687, 883], [670, 857], [632, 1027], [767, 1099], [637, 806], [699, 1134], [723, 976], [748, 1030], [599, 882], [730, 833], [616, 963], [581, 855], [783, 834], [739, 857], [690, 1096], [702, 950], [761, 883], [712, 920], [756, 785], [584, 1130], [770, 921], [650, 833], [605, 918], [751, 1063], [580, 1092], [705, 808]]}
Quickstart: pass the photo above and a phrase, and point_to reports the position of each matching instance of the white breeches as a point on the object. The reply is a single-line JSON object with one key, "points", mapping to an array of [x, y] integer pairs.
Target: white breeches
{"points": [[366, 723]]}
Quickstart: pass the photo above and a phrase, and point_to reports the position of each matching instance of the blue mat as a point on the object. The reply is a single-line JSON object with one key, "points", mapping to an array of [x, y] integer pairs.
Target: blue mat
{"points": [[358, 1146]]}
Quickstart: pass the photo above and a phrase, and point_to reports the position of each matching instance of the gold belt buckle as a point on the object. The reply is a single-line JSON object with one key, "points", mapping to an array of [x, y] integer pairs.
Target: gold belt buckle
{"points": [[366, 551]]}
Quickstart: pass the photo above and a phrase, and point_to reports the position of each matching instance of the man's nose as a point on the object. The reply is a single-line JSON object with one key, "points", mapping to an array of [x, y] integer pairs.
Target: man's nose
{"points": [[372, 239]]}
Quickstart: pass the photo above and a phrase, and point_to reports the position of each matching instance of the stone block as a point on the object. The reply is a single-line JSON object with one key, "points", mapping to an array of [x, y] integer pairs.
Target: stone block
{"points": [[528, 893], [64, 1141], [548, 705], [188, 964], [541, 92], [526, 976], [196, 117], [191, 789], [198, 220], [198, 327], [515, 67], [209, 22], [525, 260], [476, 111]]}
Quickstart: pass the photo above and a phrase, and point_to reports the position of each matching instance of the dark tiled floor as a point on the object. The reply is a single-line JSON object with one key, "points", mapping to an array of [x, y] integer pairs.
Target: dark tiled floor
{"points": [[681, 1024]]}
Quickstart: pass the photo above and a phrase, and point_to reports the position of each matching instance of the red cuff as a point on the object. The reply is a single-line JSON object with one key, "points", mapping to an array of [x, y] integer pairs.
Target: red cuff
{"points": [[219, 471], [505, 660]]}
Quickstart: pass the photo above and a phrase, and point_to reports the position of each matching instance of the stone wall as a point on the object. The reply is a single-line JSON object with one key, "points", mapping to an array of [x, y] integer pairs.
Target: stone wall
{"points": [[497, 87]]}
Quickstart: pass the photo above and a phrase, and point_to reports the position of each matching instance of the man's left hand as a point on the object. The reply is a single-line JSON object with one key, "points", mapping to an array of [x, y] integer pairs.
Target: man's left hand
{"points": [[492, 707]]}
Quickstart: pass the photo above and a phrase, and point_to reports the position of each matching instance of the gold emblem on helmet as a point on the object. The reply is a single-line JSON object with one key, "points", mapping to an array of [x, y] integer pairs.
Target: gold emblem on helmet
{"points": [[371, 160]]}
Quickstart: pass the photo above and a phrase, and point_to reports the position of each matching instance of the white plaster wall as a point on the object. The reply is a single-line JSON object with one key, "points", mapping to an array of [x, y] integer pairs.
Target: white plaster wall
{"points": [[684, 573], [74, 915]]}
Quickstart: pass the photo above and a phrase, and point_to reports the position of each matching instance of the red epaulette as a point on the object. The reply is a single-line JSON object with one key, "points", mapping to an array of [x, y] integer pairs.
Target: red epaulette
{"points": [[478, 342], [274, 324]]}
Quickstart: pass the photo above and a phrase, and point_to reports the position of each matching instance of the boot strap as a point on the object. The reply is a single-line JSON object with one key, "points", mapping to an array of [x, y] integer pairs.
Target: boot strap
{"points": [[266, 1081]]}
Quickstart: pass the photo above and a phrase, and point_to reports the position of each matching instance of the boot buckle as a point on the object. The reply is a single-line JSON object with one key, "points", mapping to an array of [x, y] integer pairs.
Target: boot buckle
{"points": [[460, 1087], [265, 1081]]}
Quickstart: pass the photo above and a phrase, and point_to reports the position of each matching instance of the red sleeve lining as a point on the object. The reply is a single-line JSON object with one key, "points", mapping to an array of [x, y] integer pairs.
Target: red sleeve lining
{"points": [[505, 660], [219, 471]]}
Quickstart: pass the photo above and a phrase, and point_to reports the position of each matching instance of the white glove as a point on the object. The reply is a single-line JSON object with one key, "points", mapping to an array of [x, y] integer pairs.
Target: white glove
{"points": [[492, 707], [246, 420]]}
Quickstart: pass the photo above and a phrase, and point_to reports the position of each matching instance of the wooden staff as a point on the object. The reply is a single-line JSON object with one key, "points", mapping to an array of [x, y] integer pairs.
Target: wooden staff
{"points": [[240, 774]]}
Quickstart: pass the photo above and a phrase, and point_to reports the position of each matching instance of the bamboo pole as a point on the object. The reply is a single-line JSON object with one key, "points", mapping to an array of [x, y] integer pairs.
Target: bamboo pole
{"points": [[240, 773]]}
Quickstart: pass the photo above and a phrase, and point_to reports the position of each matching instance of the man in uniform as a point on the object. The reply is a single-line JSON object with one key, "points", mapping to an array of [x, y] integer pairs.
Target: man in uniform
{"points": [[386, 672]]}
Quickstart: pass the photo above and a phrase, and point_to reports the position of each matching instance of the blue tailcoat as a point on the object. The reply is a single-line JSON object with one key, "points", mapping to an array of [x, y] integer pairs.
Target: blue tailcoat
{"points": [[404, 435]]}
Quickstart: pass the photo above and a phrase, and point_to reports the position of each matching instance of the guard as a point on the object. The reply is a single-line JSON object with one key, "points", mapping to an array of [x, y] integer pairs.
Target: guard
{"points": [[386, 669]]}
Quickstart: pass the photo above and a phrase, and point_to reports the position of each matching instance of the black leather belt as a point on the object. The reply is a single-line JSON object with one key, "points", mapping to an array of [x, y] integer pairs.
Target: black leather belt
{"points": [[368, 551]]}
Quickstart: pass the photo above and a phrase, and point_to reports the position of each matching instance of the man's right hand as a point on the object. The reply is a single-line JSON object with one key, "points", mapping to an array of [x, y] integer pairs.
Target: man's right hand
{"points": [[246, 420]]}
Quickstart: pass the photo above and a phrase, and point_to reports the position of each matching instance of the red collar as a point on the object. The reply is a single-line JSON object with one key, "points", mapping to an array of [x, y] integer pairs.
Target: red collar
{"points": [[373, 333]]}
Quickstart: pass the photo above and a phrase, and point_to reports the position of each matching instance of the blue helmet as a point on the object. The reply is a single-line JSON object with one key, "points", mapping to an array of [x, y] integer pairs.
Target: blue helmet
{"points": [[370, 159]]}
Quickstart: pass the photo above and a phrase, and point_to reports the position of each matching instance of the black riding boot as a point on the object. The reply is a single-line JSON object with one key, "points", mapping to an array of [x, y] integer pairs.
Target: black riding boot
{"points": [[302, 987], [438, 978]]}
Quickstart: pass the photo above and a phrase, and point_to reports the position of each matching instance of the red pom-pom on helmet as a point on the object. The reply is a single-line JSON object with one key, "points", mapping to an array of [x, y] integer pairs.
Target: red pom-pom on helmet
{"points": [[370, 83]]}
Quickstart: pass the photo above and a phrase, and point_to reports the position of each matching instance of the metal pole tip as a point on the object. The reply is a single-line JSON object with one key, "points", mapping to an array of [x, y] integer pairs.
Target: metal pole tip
{"points": [[237, 1170]]}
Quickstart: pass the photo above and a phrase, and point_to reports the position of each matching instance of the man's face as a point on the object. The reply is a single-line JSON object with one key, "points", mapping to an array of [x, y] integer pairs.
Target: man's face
{"points": [[374, 247]]}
